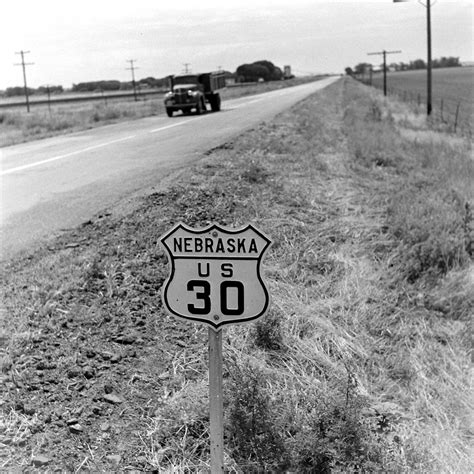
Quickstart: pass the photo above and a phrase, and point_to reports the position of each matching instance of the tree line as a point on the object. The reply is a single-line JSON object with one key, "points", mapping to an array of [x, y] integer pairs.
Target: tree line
{"points": [[43, 90], [257, 71], [450, 61], [98, 86]]}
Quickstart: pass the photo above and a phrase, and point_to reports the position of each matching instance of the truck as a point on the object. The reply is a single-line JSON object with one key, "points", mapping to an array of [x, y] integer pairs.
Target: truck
{"points": [[193, 91]]}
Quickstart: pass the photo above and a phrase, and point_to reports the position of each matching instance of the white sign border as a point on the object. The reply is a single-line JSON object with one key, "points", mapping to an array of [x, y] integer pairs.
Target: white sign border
{"points": [[219, 325]]}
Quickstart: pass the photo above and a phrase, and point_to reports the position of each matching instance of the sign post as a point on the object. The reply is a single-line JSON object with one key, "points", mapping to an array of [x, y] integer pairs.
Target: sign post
{"points": [[215, 279], [216, 408]]}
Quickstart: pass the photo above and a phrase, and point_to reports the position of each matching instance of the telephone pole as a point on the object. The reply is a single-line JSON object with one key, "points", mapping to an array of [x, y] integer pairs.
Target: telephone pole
{"points": [[132, 68], [23, 64], [384, 53], [186, 68], [428, 63], [427, 5]]}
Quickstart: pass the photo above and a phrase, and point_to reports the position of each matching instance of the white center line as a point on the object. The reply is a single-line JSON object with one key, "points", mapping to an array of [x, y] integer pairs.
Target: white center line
{"points": [[166, 127], [67, 155], [83, 150]]}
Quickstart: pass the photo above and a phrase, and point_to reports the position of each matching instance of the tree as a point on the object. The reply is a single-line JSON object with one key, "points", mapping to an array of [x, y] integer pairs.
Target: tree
{"points": [[446, 62], [17, 90], [96, 86], [362, 68], [274, 72], [349, 71], [52, 89], [253, 72], [417, 64]]}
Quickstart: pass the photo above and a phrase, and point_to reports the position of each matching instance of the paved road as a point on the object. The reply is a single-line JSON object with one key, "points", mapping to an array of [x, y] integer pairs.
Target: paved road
{"points": [[57, 183]]}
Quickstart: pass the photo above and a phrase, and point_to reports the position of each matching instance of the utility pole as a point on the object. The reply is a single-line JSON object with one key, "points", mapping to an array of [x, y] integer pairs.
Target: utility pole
{"points": [[186, 68], [428, 65], [384, 53], [132, 68], [23, 64], [429, 97]]}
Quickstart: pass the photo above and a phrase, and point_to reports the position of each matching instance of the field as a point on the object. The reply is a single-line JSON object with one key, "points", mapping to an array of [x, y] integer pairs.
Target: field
{"points": [[451, 86], [17, 126], [362, 363]]}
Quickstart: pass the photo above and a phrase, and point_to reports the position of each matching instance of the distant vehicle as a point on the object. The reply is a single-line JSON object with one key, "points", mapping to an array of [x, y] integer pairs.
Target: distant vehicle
{"points": [[192, 92], [287, 74]]}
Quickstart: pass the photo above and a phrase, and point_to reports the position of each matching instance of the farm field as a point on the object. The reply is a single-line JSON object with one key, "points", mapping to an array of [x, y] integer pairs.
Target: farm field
{"points": [[451, 86], [55, 98]]}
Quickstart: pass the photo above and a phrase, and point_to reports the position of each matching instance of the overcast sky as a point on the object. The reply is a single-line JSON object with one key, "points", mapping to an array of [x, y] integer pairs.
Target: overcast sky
{"points": [[85, 40]]}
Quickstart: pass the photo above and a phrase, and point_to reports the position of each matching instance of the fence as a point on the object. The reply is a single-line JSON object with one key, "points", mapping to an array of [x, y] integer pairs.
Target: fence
{"points": [[448, 114]]}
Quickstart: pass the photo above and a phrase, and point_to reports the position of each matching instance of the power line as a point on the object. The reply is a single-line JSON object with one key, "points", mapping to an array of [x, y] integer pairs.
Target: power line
{"points": [[384, 53], [23, 64], [132, 68]]}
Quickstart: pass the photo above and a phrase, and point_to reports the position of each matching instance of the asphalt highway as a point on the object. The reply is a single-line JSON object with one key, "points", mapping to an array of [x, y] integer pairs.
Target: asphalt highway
{"points": [[57, 183]]}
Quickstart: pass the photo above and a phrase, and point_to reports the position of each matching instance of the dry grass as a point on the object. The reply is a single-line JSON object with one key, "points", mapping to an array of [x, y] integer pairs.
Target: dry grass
{"points": [[17, 126], [360, 365]]}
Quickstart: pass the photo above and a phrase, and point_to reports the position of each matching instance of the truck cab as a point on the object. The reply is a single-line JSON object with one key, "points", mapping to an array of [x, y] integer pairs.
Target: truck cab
{"points": [[192, 92]]}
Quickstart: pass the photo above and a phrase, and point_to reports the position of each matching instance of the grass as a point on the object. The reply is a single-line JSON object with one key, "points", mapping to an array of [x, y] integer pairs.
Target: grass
{"points": [[18, 126], [451, 87], [361, 365]]}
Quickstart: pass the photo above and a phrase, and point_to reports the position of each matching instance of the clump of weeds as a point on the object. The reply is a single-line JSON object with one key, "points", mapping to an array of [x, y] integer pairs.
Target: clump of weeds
{"points": [[433, 229]]}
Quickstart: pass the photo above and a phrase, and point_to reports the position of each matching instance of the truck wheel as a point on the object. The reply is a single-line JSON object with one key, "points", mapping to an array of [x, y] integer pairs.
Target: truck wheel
{"points": [[216, 103], [199, 108], [169, 112]]}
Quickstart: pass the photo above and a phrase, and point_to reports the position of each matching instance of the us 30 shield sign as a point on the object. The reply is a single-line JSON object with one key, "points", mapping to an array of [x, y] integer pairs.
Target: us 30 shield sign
{"points": [[215, 274]]}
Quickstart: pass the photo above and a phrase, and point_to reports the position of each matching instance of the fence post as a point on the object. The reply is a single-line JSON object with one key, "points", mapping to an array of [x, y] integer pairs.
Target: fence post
{"points": [[456, 117], [48, 90], [442, 104]]}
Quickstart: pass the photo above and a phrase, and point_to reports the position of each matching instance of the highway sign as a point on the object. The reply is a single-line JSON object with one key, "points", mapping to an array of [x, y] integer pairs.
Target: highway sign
{"points": [[215, 274]]}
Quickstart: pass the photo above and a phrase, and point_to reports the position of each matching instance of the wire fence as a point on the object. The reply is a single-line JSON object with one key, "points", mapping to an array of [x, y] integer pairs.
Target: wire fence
{"points": [[448, 114]]}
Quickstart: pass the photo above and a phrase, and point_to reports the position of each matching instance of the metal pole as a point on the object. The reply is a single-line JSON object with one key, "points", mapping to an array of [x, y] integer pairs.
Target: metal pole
{"points": [[216, 410], [428, 65]]}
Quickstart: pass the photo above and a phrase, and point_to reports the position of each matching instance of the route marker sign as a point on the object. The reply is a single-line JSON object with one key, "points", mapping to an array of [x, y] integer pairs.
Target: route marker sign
{"points": [[215, 274], [215, 279]]}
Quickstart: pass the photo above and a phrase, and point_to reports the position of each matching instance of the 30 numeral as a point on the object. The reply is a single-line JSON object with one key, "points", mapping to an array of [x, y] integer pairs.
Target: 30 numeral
{"points": [[200, 295], [204, 297]]}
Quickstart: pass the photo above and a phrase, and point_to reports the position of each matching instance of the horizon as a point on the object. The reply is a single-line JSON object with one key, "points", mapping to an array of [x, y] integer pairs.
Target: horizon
{"points": [[93, 42]]}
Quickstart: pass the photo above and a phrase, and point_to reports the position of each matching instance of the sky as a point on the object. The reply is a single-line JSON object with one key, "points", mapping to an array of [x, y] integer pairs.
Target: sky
{"points": [[87, 40]]}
